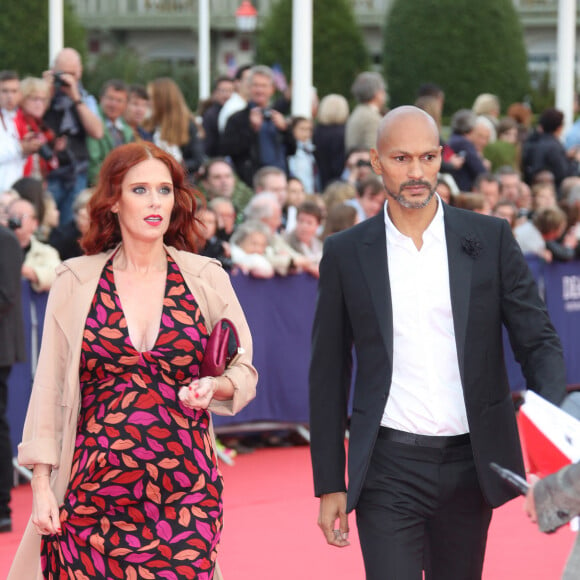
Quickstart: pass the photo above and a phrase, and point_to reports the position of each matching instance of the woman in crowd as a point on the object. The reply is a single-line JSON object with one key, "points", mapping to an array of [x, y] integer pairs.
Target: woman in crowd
{"points": [[304, 237], [173, 125], [328, 138], [340, 217], [29, 121], [248, 249], [118, 434], [337, 193]]}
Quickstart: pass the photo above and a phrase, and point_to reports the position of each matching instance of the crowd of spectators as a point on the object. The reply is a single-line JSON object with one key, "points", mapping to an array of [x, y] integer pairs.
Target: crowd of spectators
{"points": [[273, 186]]}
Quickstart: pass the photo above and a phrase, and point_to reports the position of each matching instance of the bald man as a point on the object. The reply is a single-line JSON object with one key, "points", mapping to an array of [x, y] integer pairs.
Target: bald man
{"points": [[74, 114], [421, 291]]}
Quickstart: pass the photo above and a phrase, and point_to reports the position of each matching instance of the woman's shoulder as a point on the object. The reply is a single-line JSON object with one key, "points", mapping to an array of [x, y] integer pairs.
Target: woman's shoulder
{"points": [[83, 267]]}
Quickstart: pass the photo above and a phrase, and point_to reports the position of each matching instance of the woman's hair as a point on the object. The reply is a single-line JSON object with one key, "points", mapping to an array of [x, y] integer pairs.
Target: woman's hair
{"points": [[31, 85], [486, 104], [245, 229], [521, 112], [470, 201], [332, 110], [340, 217], [550, 219], [310, 208], [169, 112], [104, 232], [31, 189], [82, 199], [337, 192]]}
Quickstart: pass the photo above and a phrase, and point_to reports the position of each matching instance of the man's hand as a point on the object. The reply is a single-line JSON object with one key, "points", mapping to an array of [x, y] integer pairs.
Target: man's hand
{"points": [[279, 120], [332, 508], [30, 143], [256, 118]]}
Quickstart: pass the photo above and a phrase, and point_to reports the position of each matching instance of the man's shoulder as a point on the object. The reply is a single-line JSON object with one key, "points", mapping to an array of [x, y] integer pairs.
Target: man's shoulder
{"points": [[468, 221]]}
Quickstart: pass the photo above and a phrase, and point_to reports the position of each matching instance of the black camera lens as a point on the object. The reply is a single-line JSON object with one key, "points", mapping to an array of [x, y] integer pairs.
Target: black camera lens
{"points": [[58, 81], [46, 152], [14, 222], [267, 113]]}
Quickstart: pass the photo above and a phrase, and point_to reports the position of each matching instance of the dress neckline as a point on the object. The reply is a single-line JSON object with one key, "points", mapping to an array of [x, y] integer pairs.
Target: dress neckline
{"points": [[120, 305]]}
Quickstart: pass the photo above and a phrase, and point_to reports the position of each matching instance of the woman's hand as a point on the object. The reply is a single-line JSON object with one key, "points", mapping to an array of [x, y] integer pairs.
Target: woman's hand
{"points": [[199, 393], [45, 513]]}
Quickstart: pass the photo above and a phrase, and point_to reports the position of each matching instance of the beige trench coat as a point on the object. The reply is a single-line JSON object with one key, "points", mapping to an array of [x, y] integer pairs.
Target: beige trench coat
{"points": [[51, 420]]}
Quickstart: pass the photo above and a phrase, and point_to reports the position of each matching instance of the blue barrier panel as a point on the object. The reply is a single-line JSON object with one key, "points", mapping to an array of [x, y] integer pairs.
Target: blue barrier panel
{"points": [[562, 287], [20, 380], [280, 313]]}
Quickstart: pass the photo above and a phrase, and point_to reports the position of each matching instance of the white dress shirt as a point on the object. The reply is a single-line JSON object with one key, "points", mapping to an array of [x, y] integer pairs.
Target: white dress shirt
{"points": [[426, 396], [11, 159]]}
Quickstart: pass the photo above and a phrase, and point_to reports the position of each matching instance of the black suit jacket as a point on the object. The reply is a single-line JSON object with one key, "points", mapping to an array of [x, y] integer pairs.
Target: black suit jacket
{"points": [[12, 347], [490, 284], [242, 144]]}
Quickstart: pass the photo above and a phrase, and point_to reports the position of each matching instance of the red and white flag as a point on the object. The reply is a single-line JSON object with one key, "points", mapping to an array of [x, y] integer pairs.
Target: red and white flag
{"points": [[550, 437]]}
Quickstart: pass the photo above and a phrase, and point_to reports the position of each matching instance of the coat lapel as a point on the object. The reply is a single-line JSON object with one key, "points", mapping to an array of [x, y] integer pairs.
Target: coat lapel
{"points": [[373, 260], [460, 271]]}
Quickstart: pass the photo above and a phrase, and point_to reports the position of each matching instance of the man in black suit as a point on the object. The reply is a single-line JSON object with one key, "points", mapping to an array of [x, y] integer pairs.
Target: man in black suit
{"points": [[421, 290], [258, 135], [11, 351]]}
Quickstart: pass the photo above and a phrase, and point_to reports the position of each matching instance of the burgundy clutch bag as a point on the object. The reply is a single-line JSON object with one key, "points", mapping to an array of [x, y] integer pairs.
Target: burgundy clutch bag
{"points": [[222, 349]]}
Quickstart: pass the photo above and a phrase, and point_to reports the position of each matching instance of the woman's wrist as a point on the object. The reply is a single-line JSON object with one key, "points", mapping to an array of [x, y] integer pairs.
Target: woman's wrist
{"points": [[223, 388]]}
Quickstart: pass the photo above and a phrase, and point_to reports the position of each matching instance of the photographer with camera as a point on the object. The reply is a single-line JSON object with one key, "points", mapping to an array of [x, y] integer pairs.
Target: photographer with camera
{"points": [[72, 114], [29, 122], [258, 135], [40, 260]]}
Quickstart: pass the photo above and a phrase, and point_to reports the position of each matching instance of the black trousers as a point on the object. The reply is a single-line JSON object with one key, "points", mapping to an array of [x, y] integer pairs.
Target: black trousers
{"points": [[421, 508], [6, 473]]}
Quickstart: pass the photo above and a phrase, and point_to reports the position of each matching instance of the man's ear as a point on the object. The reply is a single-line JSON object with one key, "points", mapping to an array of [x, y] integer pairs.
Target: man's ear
{"points": [[375, 162]]}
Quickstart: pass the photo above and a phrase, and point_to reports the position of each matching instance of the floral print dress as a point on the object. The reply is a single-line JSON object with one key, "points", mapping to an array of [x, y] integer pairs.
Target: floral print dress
{"points": [[144, 496]]}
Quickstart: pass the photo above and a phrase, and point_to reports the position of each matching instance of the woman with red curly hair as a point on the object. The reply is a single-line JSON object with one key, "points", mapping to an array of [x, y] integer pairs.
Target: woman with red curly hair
{"points": [[125, 480]]}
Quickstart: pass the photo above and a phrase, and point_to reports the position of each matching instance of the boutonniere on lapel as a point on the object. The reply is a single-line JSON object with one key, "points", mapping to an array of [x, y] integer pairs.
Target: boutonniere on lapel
{"points": [[471, 245]]}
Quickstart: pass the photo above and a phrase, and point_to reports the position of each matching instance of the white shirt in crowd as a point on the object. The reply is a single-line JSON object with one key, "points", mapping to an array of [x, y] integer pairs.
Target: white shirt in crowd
{"points": [[11, 159]]}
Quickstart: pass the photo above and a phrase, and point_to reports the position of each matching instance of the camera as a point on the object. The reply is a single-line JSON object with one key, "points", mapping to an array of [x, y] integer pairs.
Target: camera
{"points": [[58, 81], [46, 152], [14, 222], [267, 113]]}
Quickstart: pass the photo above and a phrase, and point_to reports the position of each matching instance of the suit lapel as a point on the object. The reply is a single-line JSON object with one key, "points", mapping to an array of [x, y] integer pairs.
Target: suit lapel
{"points": [[373, 261], [460, 271]]}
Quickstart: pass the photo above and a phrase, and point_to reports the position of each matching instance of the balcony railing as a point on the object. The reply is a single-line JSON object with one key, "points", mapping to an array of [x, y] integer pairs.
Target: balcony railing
{"points": [[153, 13], [120, 14]]}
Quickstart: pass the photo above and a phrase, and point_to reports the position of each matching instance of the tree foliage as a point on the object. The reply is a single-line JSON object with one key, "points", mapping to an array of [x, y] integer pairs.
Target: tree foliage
{"points": [[126, 65], [464, 46], [24, 35], [339, 52]]}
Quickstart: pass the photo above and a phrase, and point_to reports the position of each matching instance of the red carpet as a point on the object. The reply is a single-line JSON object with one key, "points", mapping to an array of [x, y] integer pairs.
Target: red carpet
{"points": [[270, 529]]}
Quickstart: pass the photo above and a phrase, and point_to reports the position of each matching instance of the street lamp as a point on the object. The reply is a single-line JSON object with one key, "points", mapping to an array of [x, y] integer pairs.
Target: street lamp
{"points": [[246, 17]]}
